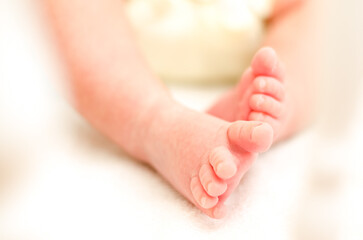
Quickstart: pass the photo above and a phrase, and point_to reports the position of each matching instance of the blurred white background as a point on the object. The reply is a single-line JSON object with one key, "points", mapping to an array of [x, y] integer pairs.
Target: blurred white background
{"points": [[59, 179]]}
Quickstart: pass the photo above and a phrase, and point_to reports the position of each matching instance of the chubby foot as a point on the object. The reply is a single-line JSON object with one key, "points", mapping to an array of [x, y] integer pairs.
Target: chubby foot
{"points": [[260, 94], [204, 157], [224, 166]]}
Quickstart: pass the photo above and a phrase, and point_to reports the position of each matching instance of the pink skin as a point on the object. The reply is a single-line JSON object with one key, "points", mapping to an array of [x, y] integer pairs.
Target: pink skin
{"points": [[260, 94], [203, 156], [282, 95]]}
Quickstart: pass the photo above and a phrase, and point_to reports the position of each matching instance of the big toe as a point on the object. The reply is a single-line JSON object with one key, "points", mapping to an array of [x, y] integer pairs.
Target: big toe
{"points": [[252, 136], [266, 63]]}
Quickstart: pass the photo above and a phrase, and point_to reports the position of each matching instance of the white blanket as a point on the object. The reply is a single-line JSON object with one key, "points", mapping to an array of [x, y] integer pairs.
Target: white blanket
{"points": [[60, 179]]}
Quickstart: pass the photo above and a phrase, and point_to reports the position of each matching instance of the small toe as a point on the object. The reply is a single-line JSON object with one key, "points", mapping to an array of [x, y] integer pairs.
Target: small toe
{"points": [[223, 162], [210, 182], [269, 86], [250, 135], [201, 197], [218, 212], [266, 104], [266, 63]]}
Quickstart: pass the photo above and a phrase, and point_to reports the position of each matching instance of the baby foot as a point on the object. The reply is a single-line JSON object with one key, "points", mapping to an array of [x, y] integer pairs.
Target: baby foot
{"points": [[260, 94], [204, 157], [224, 168]]}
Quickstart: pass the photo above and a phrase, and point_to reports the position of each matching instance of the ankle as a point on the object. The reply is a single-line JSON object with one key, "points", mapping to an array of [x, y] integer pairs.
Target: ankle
{"points": [[149, 126]]}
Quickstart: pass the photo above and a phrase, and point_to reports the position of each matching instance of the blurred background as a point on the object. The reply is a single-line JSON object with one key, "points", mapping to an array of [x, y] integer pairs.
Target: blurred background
{"points": [[60, 179]]}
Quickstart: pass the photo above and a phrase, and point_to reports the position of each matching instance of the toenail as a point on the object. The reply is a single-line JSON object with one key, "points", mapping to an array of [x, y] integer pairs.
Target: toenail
{"points": [[209, 187], [275, 62], [216, 191], [219, 168], [259, 101], [227, 172], [255, 132], [203, 201], [262, 84]]}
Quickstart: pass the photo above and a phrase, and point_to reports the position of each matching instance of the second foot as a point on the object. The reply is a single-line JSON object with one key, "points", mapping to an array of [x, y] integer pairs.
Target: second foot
{"points": [[260, 94]]}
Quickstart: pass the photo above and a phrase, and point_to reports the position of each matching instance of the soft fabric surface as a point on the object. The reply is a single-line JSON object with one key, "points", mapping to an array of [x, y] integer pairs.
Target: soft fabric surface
{"points": [[60, 179]]}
